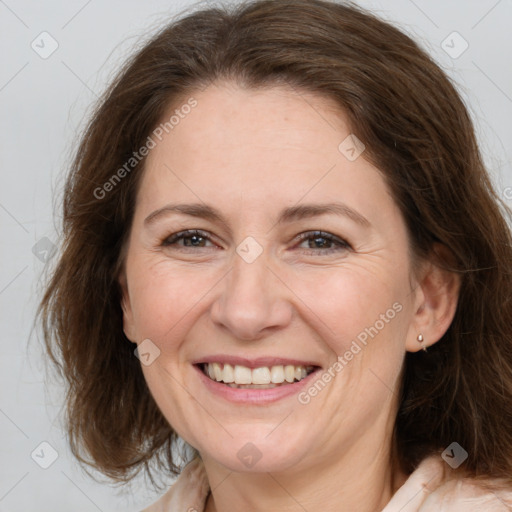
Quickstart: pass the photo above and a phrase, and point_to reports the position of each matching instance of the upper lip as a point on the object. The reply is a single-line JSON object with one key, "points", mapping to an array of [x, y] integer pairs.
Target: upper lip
{"points": [[253, 363]]}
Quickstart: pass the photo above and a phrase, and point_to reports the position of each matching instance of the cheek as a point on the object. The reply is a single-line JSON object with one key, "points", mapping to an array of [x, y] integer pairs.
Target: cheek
{"points": [[164, 297], [353, 303]]}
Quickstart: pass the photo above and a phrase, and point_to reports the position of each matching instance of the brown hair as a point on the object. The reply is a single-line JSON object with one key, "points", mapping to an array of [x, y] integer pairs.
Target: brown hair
{"points": [[417, 131]]}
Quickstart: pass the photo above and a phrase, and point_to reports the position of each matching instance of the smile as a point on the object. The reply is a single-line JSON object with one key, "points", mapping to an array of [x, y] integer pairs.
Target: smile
{"points": [[264, 377]]}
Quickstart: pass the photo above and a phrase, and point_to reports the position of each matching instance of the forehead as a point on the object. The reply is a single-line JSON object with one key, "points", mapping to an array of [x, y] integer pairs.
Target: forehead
{"points": [[281, 118], [259, 148]]}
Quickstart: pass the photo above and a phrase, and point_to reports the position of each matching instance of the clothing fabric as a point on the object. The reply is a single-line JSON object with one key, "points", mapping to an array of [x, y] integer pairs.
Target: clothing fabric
{"points": [[424, 491]]}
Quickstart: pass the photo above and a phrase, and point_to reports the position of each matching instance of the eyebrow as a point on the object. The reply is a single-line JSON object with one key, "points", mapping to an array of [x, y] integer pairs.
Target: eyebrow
{"points": [[290, 214]]}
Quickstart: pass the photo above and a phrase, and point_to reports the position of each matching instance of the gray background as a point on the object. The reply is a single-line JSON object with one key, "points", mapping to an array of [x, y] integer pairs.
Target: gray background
{"points": [[44, 102]]}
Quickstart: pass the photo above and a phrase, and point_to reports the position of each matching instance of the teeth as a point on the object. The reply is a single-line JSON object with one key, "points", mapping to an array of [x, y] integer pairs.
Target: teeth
{"points": [[262, 377], [252, 386], [277, 374], [243, 375], [289, 373], [228, 374], [217, 371]]}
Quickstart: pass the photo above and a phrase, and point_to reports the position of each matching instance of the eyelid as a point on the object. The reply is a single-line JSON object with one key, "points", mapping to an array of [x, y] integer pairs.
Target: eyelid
{"points": [[322, 234], [168, 240], [342, 244]]}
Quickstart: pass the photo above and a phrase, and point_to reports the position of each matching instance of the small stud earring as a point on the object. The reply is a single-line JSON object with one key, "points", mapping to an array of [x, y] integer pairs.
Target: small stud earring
{"points": [[420, 340]]}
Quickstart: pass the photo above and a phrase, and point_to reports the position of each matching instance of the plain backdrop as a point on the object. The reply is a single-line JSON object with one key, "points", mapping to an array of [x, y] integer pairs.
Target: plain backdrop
{"points": [[45, 99]]}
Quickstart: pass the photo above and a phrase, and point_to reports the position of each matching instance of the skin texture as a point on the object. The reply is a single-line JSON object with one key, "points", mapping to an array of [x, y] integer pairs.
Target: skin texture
{"points": [[250, 154]]}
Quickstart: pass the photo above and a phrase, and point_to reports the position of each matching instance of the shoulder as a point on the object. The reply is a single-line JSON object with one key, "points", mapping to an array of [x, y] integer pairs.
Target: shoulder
{"points": [[430, 489], [188, 493]]}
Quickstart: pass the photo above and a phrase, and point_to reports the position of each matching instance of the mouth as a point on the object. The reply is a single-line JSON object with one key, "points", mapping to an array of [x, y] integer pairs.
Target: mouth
{"points": [[262, 377]]}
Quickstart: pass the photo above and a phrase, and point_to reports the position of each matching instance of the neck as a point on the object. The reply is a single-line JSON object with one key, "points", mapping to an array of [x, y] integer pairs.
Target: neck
{"points": [[361, 479]]}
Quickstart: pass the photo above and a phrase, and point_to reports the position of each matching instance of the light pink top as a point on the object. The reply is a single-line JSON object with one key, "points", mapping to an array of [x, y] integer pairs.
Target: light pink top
{"points": [[423, 491]]}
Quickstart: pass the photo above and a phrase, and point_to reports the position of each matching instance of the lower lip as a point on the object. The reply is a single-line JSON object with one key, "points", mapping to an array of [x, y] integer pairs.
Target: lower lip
{"points": [[251, 395]]}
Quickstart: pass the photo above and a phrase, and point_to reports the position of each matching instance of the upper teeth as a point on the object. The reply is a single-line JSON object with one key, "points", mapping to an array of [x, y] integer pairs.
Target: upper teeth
{"points": [[264, 375]]}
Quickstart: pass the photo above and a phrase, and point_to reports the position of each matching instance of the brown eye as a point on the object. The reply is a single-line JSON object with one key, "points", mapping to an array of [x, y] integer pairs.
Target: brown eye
{"points": [[322, 242], [191, 238]]}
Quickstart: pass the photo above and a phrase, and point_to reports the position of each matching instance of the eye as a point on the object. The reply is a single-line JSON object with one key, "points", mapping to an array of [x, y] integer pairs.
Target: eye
{"points": [[318, 241], [193, 238], [323, 243]]}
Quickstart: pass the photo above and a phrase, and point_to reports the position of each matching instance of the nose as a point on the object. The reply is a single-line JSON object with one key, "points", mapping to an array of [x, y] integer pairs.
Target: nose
{"points": [[253, 300]]}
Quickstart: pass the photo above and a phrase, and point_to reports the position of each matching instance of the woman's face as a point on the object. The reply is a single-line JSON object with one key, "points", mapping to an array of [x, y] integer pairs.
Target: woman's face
{"points": [[245, 298]]}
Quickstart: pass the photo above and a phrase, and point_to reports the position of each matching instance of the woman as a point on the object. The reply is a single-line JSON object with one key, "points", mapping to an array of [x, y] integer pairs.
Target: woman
{"points": [[282, 206]]}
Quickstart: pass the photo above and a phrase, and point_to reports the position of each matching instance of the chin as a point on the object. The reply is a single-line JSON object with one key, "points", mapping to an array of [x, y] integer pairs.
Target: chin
{"points": [[261, 455]]}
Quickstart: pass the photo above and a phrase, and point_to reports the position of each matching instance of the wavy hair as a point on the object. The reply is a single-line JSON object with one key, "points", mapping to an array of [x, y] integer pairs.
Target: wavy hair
{"points": [[417, 132]]}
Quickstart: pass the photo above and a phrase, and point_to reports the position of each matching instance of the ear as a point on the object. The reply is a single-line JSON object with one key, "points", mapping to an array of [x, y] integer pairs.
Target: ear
{"points": [[128, 321], [436, 300]]}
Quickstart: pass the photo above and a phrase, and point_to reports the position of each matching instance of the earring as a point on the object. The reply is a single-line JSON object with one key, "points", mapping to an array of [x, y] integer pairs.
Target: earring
{"points": [[420, 340]]}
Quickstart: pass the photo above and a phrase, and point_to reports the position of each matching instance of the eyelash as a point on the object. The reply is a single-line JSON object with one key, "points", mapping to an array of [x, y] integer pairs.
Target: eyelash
{"points": [[309, 235]]}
